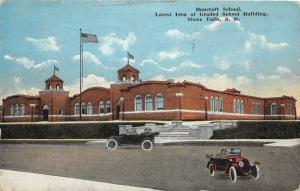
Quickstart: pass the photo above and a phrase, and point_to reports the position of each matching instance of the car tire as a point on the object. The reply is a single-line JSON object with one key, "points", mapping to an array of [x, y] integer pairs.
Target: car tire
{"points": [[232, 174], [255, 174], [212, 169], [111, 144], [147, 145]]}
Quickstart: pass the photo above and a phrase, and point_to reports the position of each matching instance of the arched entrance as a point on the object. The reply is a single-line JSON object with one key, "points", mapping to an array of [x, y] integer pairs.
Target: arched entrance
{"points": [[45, 112]]}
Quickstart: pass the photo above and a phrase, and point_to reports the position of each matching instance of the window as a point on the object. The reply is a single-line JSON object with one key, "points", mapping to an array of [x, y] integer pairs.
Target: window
{"points": [[61, 112], [242, 106], [76, 110], [238, 107], [274, 109], [216, 101], [221, 105], [83, 109], [234, 106], [123, 78], [11, 110], [17, 110], [159, 102], [107, 107], [101, 107], [89, 108], [138, 103], [148, 101], [212, 104], [22, 109]]}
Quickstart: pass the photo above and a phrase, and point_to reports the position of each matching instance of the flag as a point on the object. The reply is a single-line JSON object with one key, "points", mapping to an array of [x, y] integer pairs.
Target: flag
{"points": [[88, 38], [130, 56], [56, 68]]}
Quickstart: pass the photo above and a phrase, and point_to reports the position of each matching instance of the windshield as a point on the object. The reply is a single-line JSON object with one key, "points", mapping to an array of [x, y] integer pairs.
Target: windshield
{"points": [[232, 151]]}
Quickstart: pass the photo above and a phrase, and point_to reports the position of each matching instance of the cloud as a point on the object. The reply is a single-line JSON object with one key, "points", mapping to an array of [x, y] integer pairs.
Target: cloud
{"points": [[152, 62], [216, 24], [2, 2], [283, 70], [189, 64], [107, 42], [222, 63], [90, 58], [267, 77], [261, 40], [185, 64], [44, 44], [177, 34], [215, 81], [170, 55], [29, 64], [91, 80]]}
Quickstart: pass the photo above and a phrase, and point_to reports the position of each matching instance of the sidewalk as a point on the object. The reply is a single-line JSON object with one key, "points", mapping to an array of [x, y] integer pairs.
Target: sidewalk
{"points": [[24, 181], [192, 142]]}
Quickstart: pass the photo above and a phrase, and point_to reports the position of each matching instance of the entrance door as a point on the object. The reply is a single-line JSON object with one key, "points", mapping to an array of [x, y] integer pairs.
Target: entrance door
{"points": [[45, 113], [118, 112]]}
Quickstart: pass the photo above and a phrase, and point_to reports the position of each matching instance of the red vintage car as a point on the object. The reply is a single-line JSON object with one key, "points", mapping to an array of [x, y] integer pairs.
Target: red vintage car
{"points": [[231, 162]]}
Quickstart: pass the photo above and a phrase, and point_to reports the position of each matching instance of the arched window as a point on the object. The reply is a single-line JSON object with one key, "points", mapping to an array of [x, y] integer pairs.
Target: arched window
{"points": [[216, 109], [101, 107], [138, 103], [17, 110], [148, 102], [242, 106], [11, 110], [107, 107], [238, 106], [83, 108], [76, 109], [234, 106], [22, 109], [221, 105], [211, 104], [57, 87], [274, 109], [123, 78], [89, 108], [159, 102]]}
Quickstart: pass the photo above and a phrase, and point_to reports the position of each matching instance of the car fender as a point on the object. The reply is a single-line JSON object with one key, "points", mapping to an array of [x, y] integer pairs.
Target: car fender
{"points": [[229, 165], [211, 162]]}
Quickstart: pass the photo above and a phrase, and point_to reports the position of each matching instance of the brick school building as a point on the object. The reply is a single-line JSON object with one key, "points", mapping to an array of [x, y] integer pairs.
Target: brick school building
{"points": [[131, 99]]}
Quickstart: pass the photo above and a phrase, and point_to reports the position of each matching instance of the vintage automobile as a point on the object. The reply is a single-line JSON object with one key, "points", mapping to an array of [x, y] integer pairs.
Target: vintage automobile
{"points": [[231, 162], [131, 136]]}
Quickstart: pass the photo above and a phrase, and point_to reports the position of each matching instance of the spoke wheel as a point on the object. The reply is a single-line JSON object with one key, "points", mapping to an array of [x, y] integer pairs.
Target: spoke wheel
{"points": [[111, 144], [232, 174], [255, 173], [147, 145], [212, 169]]}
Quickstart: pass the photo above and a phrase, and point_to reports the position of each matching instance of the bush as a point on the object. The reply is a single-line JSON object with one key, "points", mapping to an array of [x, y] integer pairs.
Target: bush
{"points": [[95, 130], [260, 130]]}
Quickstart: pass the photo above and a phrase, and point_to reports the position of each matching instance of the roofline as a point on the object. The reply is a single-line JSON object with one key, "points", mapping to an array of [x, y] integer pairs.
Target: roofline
{"points": [[91, 88]]}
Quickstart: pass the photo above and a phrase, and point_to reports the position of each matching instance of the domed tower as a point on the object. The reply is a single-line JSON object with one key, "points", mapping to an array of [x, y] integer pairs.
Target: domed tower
{"points": [[54, 83], [128, 74], [54, 101]]}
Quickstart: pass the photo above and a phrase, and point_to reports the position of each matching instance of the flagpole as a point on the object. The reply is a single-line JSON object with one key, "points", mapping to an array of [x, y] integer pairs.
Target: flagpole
{"points": [[80, 75]]}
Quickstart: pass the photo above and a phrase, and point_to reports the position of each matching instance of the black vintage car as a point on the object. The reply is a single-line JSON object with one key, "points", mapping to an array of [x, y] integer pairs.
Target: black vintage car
{"points": [[231, 162], [131, 136]]}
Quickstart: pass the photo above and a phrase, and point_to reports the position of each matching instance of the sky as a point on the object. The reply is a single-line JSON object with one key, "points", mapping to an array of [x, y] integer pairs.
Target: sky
{"points": [[259, 55]]}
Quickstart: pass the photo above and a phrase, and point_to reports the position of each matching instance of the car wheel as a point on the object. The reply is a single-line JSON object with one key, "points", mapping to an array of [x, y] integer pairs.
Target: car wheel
{"points": [[111, 144], [255, 173], [147, 145], [212, 169], [232, 174]]}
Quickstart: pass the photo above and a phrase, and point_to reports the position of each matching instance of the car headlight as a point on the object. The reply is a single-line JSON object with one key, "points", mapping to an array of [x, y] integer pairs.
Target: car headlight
{"points": [[241, 164], [252, 163]]}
